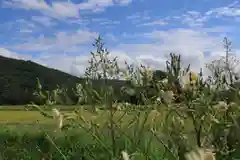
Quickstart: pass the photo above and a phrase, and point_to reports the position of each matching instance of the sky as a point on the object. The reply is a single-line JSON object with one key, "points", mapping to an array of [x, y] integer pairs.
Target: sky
{"points": [[59, 33]]}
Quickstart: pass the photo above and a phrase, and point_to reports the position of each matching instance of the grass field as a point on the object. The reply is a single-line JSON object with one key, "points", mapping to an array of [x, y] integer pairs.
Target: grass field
{"points": [[23, 108], [28, 128], [11, 115], [22, 132]]}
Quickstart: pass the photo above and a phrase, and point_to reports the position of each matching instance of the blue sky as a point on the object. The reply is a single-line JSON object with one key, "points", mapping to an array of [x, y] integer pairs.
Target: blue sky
{"points": [[59, 33]]}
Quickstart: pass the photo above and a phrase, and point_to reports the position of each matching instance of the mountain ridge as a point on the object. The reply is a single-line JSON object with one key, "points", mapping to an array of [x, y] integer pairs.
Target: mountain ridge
{"points": [[18, 77], [18, 80]]}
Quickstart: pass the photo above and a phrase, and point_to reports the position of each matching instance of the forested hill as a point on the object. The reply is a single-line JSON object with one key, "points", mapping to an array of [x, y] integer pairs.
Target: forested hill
{"points": [[18, 80]]}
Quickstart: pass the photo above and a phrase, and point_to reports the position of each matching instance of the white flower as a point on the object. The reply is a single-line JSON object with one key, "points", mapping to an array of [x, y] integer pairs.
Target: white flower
{"points": [[232, 104], [200, 154], [221, 105], [118, 108], [125, 155], [60, 121], [209, 155], [184, 80], [55, 113], [158, 100], [165, 81], [195, 155], [127, 104], [213, 87], [193, 82], [188, 79], [167, 96], [147, 72]]}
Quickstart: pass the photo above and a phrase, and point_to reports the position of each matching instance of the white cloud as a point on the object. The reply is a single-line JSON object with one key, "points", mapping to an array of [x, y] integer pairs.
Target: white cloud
{"points": [[185, 40], [218, 29], [197, 19], [194, 13], [152, 61], [7, 53], [231, 10], [74, 65], [61, 62], [194, 18], [125, 2], [122, 57], [33, 4], [96, 5], [105, 22], [139, 16], [45, 21], [63, 9], [155, 23], [81, 22], [61, 43], [57, 10], [225, 11], [108, 22], [100, 5], [111, 37], [189, 43], [19, 26], [134, 16], [25, 30], [190, 18]]}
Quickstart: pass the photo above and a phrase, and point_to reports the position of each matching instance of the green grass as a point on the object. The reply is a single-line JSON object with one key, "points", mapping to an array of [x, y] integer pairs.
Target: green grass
{"points": [[74, 144], [22, 107], [22, 131], [22, 117], [35, 117]]}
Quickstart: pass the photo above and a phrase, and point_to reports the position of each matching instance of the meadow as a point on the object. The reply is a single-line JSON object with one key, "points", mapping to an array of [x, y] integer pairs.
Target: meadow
{"points": [[180, 117], [19, 115], [30, 135]]}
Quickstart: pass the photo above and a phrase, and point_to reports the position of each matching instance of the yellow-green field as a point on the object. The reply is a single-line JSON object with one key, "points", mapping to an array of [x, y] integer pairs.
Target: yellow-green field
{"points": [[35, 117], [21, 117]]}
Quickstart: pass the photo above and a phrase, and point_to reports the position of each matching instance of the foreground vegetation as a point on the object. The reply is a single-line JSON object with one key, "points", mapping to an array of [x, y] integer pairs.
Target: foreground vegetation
{"points": [[181, 117], [72, 144]]}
